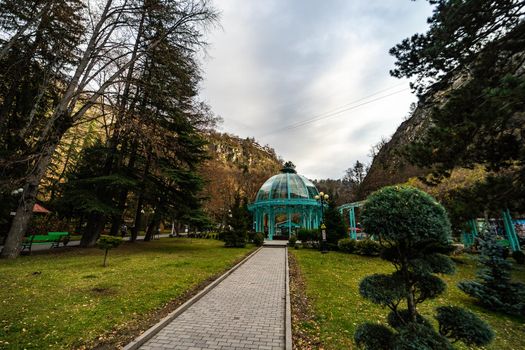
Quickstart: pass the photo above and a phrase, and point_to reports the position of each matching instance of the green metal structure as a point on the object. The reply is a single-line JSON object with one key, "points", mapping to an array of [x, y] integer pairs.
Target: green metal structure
{"points": [[351, 208], [470, 235], [286, 194]]}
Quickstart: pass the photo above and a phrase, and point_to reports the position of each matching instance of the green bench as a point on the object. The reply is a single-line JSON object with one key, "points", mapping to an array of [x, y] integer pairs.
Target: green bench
{"points": [[55, 238]]}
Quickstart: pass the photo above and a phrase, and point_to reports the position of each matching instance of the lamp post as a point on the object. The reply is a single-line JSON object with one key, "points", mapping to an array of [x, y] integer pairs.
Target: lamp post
{"points": [[323, 199]]}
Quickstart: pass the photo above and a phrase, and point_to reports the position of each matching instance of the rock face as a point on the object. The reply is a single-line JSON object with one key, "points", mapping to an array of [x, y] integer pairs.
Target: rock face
{"points": [[389, 166], [236, 166]]}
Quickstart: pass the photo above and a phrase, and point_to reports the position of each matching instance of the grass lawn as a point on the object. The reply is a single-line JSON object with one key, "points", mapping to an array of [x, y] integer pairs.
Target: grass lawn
{"points": [[332, 287], [66, 299]]}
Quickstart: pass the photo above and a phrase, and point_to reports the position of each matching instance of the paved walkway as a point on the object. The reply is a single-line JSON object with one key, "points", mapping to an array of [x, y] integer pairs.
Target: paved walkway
{"points": [[245, 311]]}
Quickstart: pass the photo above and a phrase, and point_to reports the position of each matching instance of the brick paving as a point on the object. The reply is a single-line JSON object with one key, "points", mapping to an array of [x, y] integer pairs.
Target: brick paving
{"points": [[245, 311]]}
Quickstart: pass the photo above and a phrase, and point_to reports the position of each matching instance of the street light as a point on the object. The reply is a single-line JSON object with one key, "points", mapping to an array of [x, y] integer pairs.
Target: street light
{"points": [[323, 199]]}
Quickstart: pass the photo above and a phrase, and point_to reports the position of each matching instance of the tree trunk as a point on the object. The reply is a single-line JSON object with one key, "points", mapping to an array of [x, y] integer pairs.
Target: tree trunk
{"points": [[150, 231], [24, 212], [411, 304], [138, 219], [105, 257], [94, 226]]}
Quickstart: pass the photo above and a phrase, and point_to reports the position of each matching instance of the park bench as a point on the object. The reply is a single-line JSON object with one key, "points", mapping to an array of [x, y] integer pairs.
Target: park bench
{"points": [[55, 238]]}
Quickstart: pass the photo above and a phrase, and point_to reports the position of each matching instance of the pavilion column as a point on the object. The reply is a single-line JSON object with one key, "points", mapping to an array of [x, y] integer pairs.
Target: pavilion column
{"points": [[258, 221], [288, 214], [271, 226]]}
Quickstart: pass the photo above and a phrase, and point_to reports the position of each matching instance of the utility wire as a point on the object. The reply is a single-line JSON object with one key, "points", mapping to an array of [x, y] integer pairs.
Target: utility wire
{"points": [[336, 111]]}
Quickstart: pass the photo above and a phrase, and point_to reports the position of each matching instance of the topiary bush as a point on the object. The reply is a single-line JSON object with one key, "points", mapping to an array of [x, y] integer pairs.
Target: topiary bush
{"points": [[367, 247], [457, 324], [346, 245], [494, 289], [107, 243], [373, 336], [258, 239], [413, 233]]}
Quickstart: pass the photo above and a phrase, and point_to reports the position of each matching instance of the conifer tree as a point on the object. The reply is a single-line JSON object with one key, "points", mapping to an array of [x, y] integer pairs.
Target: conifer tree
{"points": [[414, 231], [494, 289]]}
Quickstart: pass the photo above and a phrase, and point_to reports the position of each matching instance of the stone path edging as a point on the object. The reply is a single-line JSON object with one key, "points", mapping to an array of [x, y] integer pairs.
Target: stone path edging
{"points": [[288, 310], [147, 335]]}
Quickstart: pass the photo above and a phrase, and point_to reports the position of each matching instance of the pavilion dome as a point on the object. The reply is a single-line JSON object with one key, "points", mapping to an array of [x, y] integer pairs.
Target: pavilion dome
{"points": [[287, 185]]}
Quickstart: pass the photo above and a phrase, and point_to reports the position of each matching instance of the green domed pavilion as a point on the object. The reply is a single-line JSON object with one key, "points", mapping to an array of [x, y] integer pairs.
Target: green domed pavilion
{"points": [[287, 196]]}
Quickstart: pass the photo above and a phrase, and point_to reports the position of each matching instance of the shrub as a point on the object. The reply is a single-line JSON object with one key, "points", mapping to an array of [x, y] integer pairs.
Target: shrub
{"points": [[235, 239], [347, 245], [458, 324], [414, 233], [292, 240], [372, 336], [305, 235], [400, 318], [258, 239], [107, 243], [416, 336], [367, 247], [519, 257], [494, 288]]}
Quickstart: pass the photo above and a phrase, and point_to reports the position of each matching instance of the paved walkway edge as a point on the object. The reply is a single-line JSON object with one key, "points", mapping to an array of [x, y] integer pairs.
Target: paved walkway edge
{"points": [[288, 312], [147, 335]]}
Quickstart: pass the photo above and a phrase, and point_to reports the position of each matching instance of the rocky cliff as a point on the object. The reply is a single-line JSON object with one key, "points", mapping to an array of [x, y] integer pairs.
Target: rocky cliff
{"points": [[236, 166]]}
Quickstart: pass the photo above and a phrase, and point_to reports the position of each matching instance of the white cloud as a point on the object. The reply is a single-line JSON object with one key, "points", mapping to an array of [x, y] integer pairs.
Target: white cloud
{"points": [[278, 63]]}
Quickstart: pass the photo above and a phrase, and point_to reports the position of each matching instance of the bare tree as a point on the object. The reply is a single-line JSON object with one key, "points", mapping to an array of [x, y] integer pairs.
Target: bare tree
{"points": [[108, 50]]}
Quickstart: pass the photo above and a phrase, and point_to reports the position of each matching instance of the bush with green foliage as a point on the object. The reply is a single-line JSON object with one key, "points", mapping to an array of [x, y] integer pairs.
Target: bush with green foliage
{"points": [[306, 235], [235, 239], [292, 240], [457, 324], [347, 245], [367, 247], [413, 232], [107, 243], [258, 239], [519, 257], [239, 222], [495, 290], [335, 224]]}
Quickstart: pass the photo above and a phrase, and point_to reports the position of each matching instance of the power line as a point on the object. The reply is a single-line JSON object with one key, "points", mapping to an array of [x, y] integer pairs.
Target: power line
{"points": [[336, 111]]}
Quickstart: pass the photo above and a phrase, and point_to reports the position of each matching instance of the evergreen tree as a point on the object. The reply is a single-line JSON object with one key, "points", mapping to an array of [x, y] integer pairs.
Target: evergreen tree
{"points": [[104, 58], [239, 220], [471, 54], [495, 290], [414, 231], [335, 224]]}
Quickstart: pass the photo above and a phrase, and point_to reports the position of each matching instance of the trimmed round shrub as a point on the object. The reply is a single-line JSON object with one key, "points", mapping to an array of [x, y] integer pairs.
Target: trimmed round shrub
{"points": [[461, 325], [258, 239], [404, 213], [416, 336], [372, 336], [367, 247], [347, 245], [429, 287], [401, 319], [383, 289], [433, 263]]}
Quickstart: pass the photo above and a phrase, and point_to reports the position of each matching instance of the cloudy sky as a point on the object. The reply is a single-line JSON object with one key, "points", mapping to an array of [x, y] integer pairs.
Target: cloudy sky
{"points": [[310, 78]]}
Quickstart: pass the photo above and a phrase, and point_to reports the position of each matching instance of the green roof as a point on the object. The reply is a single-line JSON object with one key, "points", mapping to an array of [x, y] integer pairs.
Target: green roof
{"points": [[287, 185]]}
